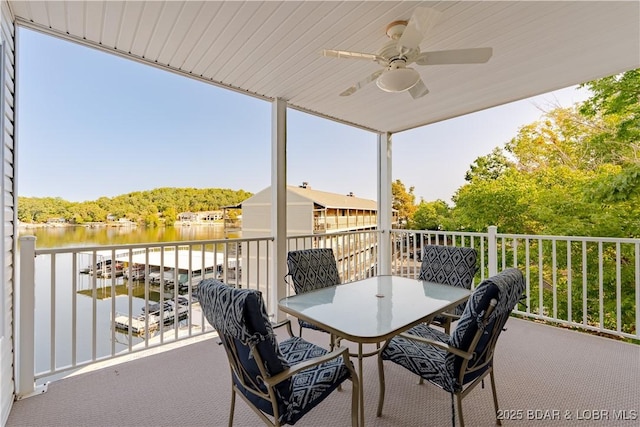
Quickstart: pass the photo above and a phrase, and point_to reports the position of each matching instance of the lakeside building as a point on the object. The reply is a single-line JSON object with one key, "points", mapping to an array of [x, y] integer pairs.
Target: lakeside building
{"points": [[315, 216], [204, 216], [309, 211]]}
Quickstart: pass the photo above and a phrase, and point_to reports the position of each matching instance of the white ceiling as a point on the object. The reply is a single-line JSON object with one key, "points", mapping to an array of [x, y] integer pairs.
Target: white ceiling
{"points": [[272, 49]]}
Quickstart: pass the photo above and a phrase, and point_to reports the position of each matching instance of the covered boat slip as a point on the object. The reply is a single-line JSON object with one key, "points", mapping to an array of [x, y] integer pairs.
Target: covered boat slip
{"points": [[175, 263]]}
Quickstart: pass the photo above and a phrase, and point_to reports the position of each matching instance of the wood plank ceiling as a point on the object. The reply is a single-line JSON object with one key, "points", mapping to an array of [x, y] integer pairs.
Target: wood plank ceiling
{"points": [[271, 49]]}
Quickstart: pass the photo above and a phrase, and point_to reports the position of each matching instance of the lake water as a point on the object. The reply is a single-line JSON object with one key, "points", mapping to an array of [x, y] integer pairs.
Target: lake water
{"points": [[55, 237], [65, 298]]}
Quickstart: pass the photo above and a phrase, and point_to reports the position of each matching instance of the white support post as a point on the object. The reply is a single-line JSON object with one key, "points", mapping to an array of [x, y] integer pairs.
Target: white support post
{"points": [[385, 214], [278, 204], [25, 326], [493, 250]]}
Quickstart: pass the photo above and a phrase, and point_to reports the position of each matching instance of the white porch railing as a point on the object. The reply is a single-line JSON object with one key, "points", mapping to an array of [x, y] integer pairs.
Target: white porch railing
{"points": [[65, 319], [75, 308], [589, 283]]}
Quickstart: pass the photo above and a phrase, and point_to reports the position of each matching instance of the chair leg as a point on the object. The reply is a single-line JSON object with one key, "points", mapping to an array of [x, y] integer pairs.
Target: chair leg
{"points": [[453, 412], [381, 380], [460, 416], [495, 396], [355, 401], [233, 405], [332, 345]]}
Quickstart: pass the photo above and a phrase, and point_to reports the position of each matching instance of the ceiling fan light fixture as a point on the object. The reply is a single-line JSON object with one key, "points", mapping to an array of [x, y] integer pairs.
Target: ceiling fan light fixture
{"points": [[398, 79]]}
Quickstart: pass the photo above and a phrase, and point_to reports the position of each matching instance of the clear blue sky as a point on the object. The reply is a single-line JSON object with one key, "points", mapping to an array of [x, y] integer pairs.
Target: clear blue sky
{"points": [[92, 124]]}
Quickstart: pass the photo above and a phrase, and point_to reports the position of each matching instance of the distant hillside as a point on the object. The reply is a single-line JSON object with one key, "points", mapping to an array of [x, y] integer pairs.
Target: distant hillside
{"points": [[148, 207]]}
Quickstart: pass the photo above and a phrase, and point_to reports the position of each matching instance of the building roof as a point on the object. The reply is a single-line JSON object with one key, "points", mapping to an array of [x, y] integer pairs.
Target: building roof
{"points": [[321, 198], [333, 200]]}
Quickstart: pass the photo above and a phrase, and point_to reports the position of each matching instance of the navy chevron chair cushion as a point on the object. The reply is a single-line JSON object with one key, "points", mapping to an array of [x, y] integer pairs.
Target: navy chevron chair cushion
{"points": [[311, 269], [243, 325], [449, 265], [311, 386]]}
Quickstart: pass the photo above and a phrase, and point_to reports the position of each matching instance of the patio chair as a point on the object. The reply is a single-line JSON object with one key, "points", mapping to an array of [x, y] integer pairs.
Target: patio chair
{"points": [[281, 382], [449, 265], [460, 361], [311, 269]]}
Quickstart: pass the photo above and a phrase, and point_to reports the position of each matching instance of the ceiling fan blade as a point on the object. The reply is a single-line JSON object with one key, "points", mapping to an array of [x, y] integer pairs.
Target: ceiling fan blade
{"points": [[421, 21], [346, 54], [478, 55], [362, 83], [418, 90]]}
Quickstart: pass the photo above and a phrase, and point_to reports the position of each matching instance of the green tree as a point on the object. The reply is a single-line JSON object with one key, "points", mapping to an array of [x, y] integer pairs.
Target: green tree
{"points": [[403, 201], [617, 100], [573, 172], [170, 215], [152, 220], [491, 166], [138, 206], [430, 216], [504, 202]]}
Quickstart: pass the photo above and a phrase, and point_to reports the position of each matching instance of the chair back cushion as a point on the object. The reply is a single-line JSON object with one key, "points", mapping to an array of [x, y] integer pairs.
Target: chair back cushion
{"points": [[240, 317], [505, 288], [312, 269], [449, 265]]}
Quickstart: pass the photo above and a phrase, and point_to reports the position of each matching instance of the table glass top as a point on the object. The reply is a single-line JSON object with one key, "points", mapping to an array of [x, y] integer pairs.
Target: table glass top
{"points": [[375, 307]]}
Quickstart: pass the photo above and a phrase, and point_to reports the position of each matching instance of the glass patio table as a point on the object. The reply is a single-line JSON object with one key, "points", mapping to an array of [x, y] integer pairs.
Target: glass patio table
{"points": [[373, 310]]}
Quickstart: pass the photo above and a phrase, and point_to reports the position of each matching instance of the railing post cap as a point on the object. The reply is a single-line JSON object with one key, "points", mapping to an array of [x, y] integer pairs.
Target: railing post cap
{"points": [[27, 238]]}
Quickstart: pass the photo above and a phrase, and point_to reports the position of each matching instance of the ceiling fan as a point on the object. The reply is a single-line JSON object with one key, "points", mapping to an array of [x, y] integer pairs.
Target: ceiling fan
{"points": [[404, 49]]}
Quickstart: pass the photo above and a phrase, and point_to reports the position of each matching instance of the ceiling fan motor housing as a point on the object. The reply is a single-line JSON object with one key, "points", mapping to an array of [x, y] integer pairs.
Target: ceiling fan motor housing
{"points": [[391, 53]]}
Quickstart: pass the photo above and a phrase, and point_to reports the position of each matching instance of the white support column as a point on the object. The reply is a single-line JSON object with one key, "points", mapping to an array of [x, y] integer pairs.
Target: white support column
{"points": [[278, 204], [385, 214], [25, 327]]}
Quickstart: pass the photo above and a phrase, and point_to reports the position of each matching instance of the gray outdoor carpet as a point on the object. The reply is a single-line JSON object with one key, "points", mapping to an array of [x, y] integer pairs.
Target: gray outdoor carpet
{"points": [[544, 375]]}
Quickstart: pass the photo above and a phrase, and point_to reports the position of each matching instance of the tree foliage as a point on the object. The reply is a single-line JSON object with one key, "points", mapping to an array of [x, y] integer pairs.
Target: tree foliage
{"points": [[574, 172], [616, 99], [430, 216], [490, 166], [403, 201], [141, 206]]}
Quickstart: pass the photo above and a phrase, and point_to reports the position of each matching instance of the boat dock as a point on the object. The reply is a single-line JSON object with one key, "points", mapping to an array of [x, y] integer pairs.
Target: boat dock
{"points": [[149, 323], [163, 266]]}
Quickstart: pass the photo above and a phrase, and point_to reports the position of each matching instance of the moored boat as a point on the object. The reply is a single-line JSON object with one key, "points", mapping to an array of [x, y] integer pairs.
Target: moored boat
{"points": [[150, 321]]}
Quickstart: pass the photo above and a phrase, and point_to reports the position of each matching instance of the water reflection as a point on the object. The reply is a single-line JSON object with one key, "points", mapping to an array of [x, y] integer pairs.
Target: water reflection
{"points": [[81, 294], [54, 237]]}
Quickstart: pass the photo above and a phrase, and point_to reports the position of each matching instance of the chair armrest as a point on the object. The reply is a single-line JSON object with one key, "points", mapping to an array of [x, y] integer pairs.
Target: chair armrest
{"points": [[447, 347], [309, 363], [286, 323]]}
